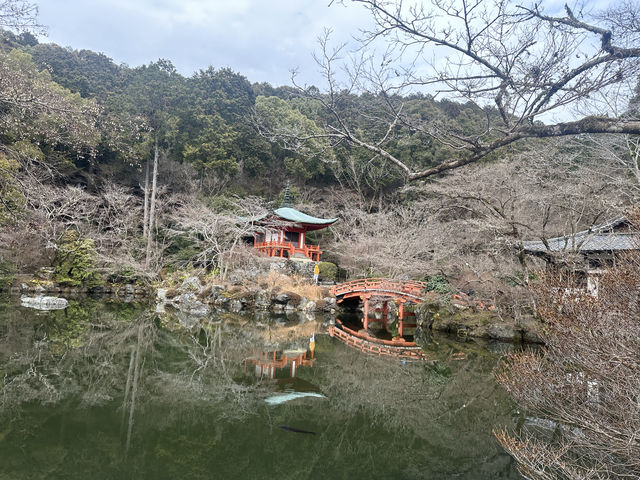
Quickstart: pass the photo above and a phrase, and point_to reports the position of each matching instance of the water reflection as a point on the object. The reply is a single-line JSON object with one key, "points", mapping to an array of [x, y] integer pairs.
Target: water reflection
{"points": [[101, 391], [280, 364]]}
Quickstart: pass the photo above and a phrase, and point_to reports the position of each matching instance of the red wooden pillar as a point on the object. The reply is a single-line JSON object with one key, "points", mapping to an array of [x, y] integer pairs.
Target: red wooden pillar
{"points": [[365, 319], [385, 313], [401, 319]]}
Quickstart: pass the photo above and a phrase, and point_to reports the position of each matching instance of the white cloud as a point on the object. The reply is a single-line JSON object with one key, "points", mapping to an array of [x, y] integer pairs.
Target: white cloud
{"points": [[261, 39]]}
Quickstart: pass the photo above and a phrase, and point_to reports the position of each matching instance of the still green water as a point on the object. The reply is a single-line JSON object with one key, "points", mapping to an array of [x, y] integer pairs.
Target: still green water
{"points": [[115, 391]]}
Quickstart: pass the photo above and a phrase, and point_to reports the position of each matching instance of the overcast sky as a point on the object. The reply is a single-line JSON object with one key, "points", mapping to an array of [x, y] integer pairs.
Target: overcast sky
{"points": [[261, 39]]}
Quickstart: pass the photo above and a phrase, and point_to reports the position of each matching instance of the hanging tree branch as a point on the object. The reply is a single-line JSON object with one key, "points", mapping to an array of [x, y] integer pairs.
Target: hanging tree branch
{"points": [[526, 64]]}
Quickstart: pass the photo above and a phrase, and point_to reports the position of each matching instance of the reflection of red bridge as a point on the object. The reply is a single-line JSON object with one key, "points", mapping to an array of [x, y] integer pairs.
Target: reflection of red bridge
{"points": [[382, 290], [368, 344]]}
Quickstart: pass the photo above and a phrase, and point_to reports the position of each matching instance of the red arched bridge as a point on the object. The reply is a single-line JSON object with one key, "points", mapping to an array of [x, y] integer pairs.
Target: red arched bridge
{"points": [[380, 287], [382, 291]]}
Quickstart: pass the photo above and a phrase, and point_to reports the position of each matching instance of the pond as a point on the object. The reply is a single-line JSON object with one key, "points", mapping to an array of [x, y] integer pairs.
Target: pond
{"points": [[115, 391]]}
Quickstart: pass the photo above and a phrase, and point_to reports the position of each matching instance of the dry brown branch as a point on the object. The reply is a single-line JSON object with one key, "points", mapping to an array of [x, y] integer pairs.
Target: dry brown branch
{"points": [[584, 384]]}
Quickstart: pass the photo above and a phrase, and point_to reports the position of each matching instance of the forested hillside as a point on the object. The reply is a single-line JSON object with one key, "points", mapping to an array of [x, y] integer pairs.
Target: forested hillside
{"points": [[132, 159], [490, 150], [205, 121]]}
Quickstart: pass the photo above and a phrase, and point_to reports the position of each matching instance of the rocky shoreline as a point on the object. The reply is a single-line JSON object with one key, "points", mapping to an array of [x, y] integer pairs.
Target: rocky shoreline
{"points": [[469, 322], [196, 297]]}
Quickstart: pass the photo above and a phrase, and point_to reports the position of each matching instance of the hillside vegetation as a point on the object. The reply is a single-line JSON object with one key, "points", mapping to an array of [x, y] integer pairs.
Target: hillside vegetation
{"points": [[81, 136]]}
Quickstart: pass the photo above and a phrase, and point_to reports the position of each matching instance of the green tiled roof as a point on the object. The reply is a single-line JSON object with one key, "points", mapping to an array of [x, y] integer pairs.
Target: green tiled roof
{"points": [[293, 215]]}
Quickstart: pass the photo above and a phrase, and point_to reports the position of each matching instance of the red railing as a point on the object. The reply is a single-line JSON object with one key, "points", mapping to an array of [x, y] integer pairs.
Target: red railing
{"points": [[277, 248], [406, 352], [396, 343], [381, 285]]}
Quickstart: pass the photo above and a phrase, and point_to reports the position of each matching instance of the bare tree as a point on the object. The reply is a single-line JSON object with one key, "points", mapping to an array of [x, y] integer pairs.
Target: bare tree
{"points": [[217, 234], [19, 15], [619, 157], [555, 190], [525, 65], [151, 197], [581, 391]]}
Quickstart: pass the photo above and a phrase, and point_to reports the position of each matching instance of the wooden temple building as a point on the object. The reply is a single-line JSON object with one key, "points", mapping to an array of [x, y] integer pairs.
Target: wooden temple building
{"points": [[586, 254], [283, 232]]}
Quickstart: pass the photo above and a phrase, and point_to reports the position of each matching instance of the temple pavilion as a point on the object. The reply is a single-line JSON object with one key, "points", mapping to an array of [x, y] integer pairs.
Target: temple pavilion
{"points": [[587, 254], [283, 232]]}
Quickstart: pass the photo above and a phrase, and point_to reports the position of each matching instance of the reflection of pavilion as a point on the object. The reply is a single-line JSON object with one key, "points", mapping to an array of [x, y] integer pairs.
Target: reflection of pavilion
{"points": [[283, 364]]}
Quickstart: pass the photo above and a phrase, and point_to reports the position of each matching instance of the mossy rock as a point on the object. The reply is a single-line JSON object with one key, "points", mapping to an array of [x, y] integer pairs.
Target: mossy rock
{"points": [[171, 293], [322, 305]]}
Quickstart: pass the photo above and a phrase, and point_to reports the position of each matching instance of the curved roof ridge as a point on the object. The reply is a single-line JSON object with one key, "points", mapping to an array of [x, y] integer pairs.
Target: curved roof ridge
{"points": [[293, 215]]}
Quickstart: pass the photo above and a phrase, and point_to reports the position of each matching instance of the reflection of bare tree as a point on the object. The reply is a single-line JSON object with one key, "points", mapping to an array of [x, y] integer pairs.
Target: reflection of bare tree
{"points": [[134, 389], [104, 359], [185, 409], [442, 403]]}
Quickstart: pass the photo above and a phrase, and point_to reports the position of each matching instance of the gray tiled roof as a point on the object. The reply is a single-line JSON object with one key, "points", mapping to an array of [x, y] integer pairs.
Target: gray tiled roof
{"points": [[599, 238]]}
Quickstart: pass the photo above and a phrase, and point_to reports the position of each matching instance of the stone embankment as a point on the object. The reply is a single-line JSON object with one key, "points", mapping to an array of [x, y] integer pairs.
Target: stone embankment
{"points": [[35, 287], [476, 323], [197, 298]]}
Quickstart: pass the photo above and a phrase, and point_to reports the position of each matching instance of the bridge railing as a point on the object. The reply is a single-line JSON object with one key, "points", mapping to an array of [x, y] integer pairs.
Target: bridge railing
{"points": [[404, 352], [379, 284]]}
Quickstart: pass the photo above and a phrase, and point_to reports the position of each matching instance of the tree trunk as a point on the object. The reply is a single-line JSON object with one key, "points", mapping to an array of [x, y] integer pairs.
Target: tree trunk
{"points": [[152, 208], [134, 389], [145, 220], [127, 388]]}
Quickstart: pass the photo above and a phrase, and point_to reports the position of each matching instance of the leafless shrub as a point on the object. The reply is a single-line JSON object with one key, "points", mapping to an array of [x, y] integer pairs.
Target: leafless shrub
{"points": [[584, 383]]}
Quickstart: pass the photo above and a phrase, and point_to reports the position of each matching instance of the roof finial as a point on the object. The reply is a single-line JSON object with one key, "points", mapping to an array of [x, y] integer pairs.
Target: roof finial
{"points": [[286, 202]]}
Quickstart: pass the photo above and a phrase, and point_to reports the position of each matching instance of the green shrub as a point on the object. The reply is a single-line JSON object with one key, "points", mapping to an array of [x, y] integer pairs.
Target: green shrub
{"points": [[182, 249], [438, 284], [75, 261], [124, 275], [328, 271], [7, 272]]}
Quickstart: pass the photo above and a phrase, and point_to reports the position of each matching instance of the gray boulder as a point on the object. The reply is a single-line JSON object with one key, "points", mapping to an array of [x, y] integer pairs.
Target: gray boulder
{"points": [[235, 305], [42, 302], [331, 302], [282, 299], [263, 299], [189, 303], [310, 306], [191, 284], [503, 332]]}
